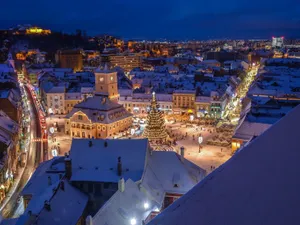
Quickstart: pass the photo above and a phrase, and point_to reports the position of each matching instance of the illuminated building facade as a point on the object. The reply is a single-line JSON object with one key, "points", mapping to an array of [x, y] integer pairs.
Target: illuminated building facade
{"points": [[126, 62], [184, 101], [277, 42], [99, 116], [70, 59], [37, 31]]}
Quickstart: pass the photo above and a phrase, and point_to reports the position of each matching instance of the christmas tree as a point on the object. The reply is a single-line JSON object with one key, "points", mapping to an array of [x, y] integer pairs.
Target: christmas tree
{"points": [[155, 129]]}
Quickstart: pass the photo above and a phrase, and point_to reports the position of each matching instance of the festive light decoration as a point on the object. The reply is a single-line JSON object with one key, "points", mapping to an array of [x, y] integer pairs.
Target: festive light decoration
{"points": [[155, 129]]}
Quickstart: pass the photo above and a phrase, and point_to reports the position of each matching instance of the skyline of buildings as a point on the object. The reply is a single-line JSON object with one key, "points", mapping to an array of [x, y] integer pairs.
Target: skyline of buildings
{"points": [[98, 130]]}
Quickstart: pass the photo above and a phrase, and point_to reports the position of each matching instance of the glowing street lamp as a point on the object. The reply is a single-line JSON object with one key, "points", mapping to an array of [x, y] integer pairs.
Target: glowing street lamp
{"points": [[146, 205], [192, 117], [132, 131], [200, 140], [133, 221]]}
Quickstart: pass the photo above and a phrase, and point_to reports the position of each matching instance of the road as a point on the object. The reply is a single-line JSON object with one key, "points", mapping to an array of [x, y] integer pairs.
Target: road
{"points": [[232, 110], [33, 160]]}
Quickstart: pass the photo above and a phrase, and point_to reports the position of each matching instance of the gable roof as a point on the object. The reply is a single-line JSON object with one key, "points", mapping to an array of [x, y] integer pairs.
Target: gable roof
{"points": [[67, 206], [99, 163], [258, 185], [124, 206], [176, 175]]}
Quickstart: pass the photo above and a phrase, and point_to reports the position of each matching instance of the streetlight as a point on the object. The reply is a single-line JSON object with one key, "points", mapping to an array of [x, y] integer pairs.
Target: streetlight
{"points": [[200, 140], [192, 117], [146, 205], [133, 221]]}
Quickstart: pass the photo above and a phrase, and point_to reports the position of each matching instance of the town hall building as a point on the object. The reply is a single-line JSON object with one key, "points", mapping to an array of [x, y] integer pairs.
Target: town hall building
{"points": [[99, 116]]}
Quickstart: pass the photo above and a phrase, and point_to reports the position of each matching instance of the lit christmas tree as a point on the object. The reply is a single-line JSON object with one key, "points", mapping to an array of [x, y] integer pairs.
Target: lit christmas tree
{"points": [[155, 129]]}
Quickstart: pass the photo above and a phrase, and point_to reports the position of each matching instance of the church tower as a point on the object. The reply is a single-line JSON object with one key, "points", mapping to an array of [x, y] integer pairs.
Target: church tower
{"points": [[106, 83]]}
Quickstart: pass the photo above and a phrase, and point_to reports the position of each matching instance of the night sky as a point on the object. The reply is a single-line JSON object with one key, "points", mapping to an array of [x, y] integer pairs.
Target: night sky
{"points": [[172, 19]]}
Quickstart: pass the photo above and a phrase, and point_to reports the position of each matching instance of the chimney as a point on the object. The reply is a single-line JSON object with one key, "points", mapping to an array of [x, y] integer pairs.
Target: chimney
{"points": [[47, 205], [90, 143], [32, 218], [121, 185], [62, 185], [119, 166], [49, 181], [89, 220], [182, 150], [68, 167]]}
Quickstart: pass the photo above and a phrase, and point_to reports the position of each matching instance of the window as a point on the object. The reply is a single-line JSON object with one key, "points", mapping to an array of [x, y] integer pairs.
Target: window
{"points": [[80, 117]]}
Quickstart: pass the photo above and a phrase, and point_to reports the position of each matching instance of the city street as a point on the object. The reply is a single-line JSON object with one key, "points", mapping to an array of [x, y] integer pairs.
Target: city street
{"points": [[12, 206], [232, 110]]}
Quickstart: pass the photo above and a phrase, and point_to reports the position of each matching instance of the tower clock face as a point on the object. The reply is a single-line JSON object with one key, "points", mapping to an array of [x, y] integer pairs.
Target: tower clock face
{"points": [[111, 78], [101, 79]]}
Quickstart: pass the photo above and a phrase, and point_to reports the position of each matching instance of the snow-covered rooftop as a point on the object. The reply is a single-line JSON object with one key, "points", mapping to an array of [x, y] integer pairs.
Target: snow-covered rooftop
{"points": [[39, 181], [122, 207], [100, 109], [176, 175], [247, 130], [258, 185], [66, 207], [98, 161]]}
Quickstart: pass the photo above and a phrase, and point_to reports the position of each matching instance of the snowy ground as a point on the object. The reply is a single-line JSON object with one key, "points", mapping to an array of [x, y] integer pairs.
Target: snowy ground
{"points": [[209, 156], [60, 140]]}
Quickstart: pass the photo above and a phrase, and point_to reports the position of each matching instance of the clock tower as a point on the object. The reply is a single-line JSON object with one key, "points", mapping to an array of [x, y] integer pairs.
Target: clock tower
{"points": [[106, 83]]}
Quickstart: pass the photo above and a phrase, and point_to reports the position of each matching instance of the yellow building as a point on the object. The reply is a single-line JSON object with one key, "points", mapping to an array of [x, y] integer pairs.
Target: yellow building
{"points": [[37, 30], [56, 100], [184, 101], [126, 62], [99, 116]]}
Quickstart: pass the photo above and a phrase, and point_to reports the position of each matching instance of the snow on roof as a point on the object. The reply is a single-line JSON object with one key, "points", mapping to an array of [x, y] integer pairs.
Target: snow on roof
{"points": [[39, 180], [100, 109], [210, 61], [73, 96], [5, 138], [185, 91], [57, 89], [11, 221], [258, 185], [99, 162], [176, 175], [4, 93], [203, 99], [124, 206], [67, 206], [247, 130], [6, 68], [7, 123], [97, 102]]}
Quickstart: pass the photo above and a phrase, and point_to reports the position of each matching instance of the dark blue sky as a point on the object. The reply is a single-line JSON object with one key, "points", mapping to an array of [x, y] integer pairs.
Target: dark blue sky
{"points": [[175, 19]]}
